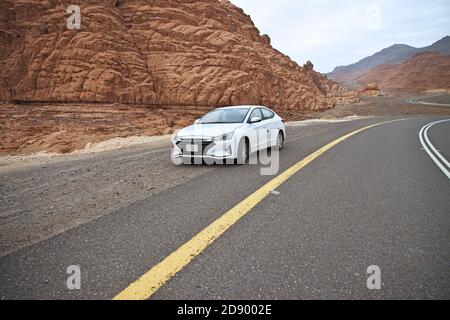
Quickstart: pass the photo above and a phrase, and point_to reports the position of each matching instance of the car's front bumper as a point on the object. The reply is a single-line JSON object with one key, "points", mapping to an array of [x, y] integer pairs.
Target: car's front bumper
{"points": [[206, 149]]}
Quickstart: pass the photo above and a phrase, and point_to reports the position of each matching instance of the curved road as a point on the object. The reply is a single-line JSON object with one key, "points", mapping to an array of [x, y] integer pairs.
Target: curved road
{"points": [[440, 100], [376, 198]]}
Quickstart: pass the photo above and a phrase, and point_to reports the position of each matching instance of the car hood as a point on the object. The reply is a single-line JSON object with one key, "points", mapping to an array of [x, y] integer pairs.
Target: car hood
{"points": [[208, 130]]}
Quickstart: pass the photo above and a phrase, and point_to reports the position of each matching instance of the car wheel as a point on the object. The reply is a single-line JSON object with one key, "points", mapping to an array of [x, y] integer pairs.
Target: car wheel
{"points": [[242, 155], [280, 141]]}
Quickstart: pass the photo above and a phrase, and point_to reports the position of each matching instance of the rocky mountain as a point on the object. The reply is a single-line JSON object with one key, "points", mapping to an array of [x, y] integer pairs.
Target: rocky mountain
{"points": [[159, 52], [424, 71], [393, 55]]}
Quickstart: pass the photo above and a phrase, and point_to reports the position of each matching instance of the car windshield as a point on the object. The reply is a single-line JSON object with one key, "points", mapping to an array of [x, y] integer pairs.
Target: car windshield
{"points": [[235, 115]]}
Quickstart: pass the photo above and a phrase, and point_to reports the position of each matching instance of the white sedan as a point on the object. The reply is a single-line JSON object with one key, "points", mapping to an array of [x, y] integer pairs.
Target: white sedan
{"points": [[230, 133]]}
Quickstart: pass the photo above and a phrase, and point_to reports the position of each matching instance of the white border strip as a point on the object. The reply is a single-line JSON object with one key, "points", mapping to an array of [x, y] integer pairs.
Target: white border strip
{"points": [[423, 135]]}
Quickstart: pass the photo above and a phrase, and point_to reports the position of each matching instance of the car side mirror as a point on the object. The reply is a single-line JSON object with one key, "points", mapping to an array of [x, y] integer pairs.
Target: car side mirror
{"points": [[255, 119], [197, 121]]}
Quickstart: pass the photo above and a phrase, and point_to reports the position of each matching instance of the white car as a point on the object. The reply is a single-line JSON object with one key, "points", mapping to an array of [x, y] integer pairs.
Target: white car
{"points": [[230, 133]]}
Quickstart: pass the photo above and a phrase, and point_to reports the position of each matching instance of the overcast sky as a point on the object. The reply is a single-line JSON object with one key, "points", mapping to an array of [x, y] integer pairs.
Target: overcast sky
{"points": [[340, 32]]}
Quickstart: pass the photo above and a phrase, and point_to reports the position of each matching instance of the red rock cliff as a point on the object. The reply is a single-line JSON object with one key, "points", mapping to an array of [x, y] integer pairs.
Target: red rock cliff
{"points": [[159, 52]]}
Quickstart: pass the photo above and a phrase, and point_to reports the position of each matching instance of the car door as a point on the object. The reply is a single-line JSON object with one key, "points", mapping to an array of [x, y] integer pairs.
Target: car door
{"points": [[271, 126], [258, 136]]}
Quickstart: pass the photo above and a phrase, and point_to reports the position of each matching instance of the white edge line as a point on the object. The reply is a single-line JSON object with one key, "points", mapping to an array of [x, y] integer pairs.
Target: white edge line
{"points": [[432, 146], [433, 104], [444, 170]]}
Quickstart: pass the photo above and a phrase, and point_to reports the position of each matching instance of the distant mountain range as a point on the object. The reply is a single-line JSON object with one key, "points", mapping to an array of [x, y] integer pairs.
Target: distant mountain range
{"points": [[422, 72], [352, 75]]}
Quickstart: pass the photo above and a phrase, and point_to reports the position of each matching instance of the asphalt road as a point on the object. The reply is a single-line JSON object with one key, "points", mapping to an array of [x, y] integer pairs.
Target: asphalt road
{"points": [[437, 100], [375, 199]]}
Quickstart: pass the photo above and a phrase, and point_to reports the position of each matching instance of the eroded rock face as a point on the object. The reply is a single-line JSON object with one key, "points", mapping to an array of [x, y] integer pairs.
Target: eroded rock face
{"points": [[47, 62], [159, 52]]}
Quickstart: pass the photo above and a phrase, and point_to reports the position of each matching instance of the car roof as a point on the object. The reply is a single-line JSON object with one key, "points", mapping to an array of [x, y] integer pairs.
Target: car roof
{"points": [[243, 106]]}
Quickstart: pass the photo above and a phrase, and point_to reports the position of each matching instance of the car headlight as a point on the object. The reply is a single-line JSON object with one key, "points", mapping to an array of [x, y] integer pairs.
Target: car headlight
{"points": [[224, 137]]}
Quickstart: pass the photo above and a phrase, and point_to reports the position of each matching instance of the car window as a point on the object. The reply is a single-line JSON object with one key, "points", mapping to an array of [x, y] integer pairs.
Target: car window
{"points": [[255, 113], [234, 115], [267, 114]]}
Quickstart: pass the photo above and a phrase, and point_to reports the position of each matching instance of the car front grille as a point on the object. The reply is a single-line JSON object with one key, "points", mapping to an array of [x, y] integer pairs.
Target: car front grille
{"points": [[203, 146]]}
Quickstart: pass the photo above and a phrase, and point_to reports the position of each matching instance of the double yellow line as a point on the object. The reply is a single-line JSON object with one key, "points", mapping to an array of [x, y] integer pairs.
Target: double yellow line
{"points": [[156, 277]]}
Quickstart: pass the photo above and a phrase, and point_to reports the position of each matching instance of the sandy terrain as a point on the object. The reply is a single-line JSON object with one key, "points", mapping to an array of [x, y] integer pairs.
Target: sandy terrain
{"points": [[11, 162]]}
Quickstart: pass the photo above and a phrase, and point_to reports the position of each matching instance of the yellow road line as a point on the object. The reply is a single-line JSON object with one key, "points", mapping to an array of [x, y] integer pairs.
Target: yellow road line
{"points": [[156, 277]]}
